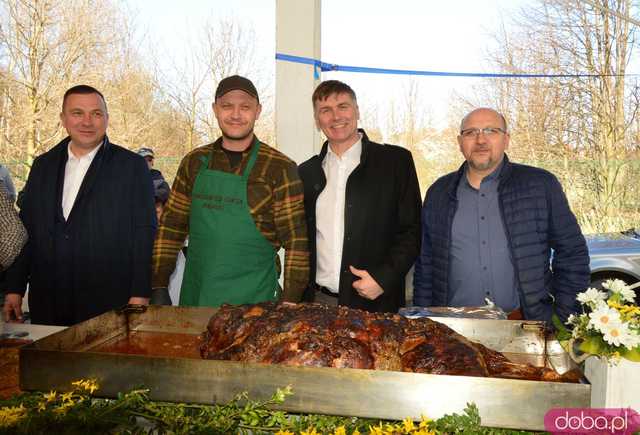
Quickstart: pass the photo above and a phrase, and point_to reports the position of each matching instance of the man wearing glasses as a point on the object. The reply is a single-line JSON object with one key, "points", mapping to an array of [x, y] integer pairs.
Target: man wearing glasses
{"points": [[489, 229]]}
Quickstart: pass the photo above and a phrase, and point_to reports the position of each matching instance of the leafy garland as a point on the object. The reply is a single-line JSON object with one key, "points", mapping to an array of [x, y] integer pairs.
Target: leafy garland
{"points": [[78, 412]]}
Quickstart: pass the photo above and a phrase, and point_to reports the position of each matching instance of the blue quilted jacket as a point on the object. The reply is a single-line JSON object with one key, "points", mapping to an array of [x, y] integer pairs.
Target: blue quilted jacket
{"points": [[546, 245]]}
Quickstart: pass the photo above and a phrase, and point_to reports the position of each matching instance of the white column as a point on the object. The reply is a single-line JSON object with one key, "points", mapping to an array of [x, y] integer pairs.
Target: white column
{"points": [[297, 34]]}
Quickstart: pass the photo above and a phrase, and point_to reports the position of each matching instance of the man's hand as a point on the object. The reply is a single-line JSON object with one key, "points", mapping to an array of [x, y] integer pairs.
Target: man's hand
{"points": [[12, 310], [135, 300], [366, 286]]}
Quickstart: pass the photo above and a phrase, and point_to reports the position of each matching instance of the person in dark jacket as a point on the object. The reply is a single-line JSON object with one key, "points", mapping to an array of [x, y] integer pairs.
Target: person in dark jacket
{"points": [[499, 230], [161, 188], [6, 184], [88, 209], [362, 205]]}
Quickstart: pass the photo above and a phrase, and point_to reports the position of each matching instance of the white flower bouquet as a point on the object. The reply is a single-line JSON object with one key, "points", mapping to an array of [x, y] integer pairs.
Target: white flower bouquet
{"points": [[609, 325]]}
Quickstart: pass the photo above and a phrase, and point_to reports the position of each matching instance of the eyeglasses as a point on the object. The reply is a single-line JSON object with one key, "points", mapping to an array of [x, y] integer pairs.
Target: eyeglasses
{"points": [[469, 133]]}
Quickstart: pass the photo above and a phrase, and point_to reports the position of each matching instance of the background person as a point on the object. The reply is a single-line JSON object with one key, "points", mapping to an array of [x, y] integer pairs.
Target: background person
{"points": [[161, 188], [488, 231], [6, 184], [13, 235], [88, 209]]}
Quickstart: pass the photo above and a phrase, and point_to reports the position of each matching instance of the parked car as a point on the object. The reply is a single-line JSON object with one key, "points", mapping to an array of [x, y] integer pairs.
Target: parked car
{"points": [[615, 255]]}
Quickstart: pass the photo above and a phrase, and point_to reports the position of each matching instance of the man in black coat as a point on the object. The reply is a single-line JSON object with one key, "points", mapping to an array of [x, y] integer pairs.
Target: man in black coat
{"points": [[88, 208], [362, 203]]}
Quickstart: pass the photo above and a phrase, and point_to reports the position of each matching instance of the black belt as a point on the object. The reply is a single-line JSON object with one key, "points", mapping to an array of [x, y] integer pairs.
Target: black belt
{"points": [[324, 290]]}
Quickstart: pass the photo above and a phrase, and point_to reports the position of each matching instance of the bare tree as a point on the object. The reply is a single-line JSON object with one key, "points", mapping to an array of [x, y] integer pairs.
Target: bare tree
{"points": [[578, 126], [43, 43], [410, 124], [48, 46], [222, 47]]}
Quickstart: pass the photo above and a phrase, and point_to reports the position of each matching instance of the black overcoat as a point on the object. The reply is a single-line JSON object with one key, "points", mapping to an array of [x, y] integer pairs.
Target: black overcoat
{"points": [[101, 255], [381, 221]]}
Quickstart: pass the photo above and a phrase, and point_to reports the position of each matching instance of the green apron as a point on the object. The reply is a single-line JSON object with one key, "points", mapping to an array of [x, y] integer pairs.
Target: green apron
{"points": [[229, 259]]}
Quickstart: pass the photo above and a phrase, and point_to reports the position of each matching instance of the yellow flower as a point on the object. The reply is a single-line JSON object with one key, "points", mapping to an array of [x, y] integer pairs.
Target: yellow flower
{"points": [[627, 310], [408, 425], [42, 406], [89, 385], [391, 429], [284, 432], [64, 408], [67, 397], [310, 431], [630, 311], [340, 430], [376, 430], [424, 421], [10, 415], [355, 432], [51, 396]]}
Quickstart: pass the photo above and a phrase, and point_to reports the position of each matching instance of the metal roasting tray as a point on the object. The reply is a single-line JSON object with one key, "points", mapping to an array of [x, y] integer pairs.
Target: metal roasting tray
{"points": [[55, 361]]}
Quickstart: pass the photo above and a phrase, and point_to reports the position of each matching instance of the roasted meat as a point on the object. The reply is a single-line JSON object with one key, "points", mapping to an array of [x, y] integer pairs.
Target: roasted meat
{"points": [[321, 336]]}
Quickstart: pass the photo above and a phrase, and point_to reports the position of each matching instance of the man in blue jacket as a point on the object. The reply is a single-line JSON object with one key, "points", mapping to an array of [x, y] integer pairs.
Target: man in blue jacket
{"points": [[88, 209], [489, 229]]}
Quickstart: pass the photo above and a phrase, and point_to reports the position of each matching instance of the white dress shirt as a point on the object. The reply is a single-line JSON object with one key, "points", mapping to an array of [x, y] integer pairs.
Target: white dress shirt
{"points": [[330, 215], [74, 172]]}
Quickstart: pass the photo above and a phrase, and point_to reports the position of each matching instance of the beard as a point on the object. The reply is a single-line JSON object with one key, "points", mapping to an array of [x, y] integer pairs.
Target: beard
{"points": [[482, 166], [241, 136], [485, 161]]}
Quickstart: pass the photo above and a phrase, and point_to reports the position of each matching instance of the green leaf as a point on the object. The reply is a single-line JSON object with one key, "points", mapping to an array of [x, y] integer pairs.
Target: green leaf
{"points": [[631, 355], [562, 332], [593, 346], [616, 297]]}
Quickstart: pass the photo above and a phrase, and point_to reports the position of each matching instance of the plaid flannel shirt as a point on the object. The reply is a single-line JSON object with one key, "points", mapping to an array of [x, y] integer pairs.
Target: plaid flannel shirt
{"points": [[13, 235], [275, 197]]}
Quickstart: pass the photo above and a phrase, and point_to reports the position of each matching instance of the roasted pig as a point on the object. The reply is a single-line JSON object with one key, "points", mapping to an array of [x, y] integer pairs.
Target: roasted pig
{"points": [[320, 336]]}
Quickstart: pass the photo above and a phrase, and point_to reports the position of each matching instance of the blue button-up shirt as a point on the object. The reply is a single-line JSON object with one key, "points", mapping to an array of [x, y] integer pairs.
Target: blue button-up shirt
{"points": [[480, 261]]}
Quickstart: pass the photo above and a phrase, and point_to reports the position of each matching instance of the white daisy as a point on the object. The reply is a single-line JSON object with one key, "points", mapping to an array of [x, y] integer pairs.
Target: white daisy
{"points": [[614, 285], [603, 317], [591, 295], [631, 340], [627, 294], [617, 334]]}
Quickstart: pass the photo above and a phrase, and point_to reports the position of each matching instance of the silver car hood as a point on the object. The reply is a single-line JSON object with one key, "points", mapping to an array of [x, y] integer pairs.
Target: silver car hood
{"points": [[611, 241]]}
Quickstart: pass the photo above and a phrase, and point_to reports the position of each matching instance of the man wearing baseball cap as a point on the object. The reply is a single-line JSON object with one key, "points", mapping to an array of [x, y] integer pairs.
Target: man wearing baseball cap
{"points": [[239, 201]]}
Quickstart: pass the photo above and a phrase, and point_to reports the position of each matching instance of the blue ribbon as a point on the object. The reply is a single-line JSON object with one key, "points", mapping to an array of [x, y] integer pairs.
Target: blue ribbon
{"points": [[323, 66]]}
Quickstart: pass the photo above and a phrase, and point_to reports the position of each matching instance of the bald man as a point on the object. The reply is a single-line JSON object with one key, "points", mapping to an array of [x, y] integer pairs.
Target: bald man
{"points": [[489, 230]]}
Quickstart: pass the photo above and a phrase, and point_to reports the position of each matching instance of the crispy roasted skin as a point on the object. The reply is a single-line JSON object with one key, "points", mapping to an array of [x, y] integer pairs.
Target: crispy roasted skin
{"points": [[320, 336]]}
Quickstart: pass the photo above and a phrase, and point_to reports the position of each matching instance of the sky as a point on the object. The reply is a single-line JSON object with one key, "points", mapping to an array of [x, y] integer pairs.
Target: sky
{"points": [[404, 34]]}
